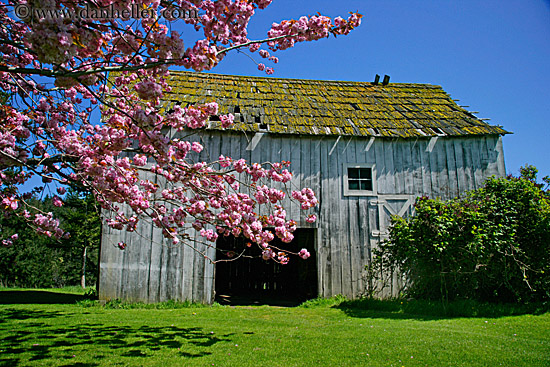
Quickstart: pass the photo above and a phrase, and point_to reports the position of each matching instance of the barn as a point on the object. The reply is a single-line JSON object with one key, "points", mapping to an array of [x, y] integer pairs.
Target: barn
{"points": [[367, 149]]}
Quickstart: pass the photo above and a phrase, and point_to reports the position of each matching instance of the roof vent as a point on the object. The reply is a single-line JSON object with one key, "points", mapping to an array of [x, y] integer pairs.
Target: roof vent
{"points": [[376, 79], [386, 80]]}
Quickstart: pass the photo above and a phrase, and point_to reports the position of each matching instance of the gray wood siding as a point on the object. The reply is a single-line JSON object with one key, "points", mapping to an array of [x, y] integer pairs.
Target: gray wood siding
{"points": [[152, 270]]}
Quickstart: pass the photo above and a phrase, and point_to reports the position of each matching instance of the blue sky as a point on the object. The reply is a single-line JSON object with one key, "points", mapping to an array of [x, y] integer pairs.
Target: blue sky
{"points": [[493, 56]]}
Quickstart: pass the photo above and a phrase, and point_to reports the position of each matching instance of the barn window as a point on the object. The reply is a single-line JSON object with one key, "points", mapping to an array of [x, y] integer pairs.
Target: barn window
{"points": [[359, 180]]}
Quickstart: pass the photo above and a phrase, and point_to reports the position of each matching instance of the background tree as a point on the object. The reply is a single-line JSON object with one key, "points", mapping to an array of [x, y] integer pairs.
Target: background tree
{"points": [[56, 58], [80, 217], [38, 261]]}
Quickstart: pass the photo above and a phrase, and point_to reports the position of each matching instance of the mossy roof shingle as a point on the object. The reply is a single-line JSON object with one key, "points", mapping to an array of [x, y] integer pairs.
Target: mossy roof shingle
{"points": [[294, 106]]}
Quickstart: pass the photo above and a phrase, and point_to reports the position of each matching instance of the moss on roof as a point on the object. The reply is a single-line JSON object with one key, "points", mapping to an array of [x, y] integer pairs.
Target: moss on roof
{"points": [[294, 106]]}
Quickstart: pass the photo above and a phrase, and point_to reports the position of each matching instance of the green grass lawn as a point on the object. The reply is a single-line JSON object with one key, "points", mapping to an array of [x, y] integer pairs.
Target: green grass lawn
{"points": [[331, 333]]}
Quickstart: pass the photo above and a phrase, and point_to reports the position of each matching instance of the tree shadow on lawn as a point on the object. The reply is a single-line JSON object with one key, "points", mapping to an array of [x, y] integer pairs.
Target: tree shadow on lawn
{"points": [[434, 310], [39, 297], [43, 342], [23, 314]]}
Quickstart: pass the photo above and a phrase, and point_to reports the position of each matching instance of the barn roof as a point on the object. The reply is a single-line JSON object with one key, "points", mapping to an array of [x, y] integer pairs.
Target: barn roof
{"points": [[294, 106]]}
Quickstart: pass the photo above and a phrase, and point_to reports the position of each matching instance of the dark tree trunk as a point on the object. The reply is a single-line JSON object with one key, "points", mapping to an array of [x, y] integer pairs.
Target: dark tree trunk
{"points": [[83, 273]]}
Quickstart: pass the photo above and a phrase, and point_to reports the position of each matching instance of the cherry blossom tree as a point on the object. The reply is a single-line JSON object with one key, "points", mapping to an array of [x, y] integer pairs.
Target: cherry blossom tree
{"points": [[64, 61]]}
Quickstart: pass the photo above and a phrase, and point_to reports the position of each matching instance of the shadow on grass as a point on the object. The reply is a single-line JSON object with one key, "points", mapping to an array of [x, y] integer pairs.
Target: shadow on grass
{"points": [[22, 314], [434, 310], [258, 299], [39, 297], [42, 343]]}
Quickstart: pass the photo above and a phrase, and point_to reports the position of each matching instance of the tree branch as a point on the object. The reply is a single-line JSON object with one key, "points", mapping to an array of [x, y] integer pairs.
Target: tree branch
{"points": [[75, 74], [254, 42]]}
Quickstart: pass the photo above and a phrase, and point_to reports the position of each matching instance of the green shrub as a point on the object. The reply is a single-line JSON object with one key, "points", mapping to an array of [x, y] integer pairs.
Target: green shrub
{"points": [[492, 245]]}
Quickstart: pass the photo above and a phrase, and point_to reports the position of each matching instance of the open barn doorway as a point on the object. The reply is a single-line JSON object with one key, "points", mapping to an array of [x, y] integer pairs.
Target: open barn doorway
{"points": [[252, 280]]}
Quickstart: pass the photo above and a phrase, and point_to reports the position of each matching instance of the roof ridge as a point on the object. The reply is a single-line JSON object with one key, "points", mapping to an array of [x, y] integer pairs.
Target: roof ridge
{"points": [[293, 80]]}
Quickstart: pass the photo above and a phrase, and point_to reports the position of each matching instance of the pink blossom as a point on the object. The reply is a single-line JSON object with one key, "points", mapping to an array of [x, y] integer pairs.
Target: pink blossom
{"points": [[311, 218], [239, 165], [254, 47], [268, 254], [149, 89], [304, 254], [209, 234], [224, 161], [227, 120], [282, 258], [57, 201], [140, 160], [10, 202], [197, 147]]}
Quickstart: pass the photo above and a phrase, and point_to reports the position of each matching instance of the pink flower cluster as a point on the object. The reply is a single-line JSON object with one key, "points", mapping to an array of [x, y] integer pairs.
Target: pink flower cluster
{"points": [[9, 242], [304, 254], [56, 200], [47, 225], [194, 117], [309, 29], [202, 56], [149, 90], [59, 80], [10, 202], [306, 197]]}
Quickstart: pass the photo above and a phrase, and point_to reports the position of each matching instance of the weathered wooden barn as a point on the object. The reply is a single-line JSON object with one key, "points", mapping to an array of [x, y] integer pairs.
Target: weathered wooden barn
{"points": [[367, 149]]}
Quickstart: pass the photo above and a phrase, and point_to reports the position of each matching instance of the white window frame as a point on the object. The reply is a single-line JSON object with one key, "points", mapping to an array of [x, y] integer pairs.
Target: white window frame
{"points": [[348, 192]]}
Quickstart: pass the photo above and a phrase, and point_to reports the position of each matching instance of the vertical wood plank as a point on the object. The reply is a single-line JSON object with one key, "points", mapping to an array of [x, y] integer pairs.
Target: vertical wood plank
{"points": [[351, 272], [155, 266], [198, 270], [468, 164], [476, 163], [500, 157], [442, 168], [307, 160], [311, 149], [425, 167], [386, 147], [291, 151], [434, 170], [209, 271], [416, 168], [325, 259], [407, 167], [336, 211], [491, 156], [398, 167], [365, 256], [462, 183], [451, 169]]}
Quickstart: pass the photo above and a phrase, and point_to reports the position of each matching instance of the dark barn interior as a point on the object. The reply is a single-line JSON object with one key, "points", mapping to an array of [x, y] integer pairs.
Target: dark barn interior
{"points": [[248, 279]]}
